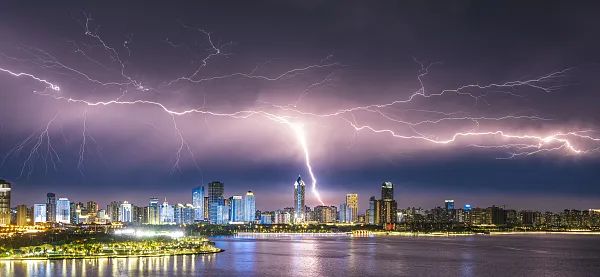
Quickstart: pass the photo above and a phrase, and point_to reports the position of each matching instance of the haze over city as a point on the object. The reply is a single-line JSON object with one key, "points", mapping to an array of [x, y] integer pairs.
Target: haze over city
{"points": [[442, 107]]}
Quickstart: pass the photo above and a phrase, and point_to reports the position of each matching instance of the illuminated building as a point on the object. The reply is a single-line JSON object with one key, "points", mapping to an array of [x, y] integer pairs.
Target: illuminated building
{"points": [[167, 213], [325, 214], [236, 210], [139, 214], [205, 208], [388, 205], [92, 208], [63, 211], [249, 207], [125, 212], [222, 214], [76, 213], [153, 211], [198, 203], [299, 188], [449, 204], [51, 207], [215, 199], [374, 211], [266, 218], [342, 213], [4, 202], [112, 210], [351, 207], [184, 214], [283, 217], [39, 213], [467, 207], [22, 215]]}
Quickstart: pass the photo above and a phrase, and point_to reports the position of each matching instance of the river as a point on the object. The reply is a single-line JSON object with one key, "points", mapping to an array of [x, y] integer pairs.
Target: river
{"points": [[503, 255]]}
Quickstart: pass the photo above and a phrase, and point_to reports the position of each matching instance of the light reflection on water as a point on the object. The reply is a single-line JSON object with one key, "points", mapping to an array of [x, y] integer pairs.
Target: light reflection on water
{"points": [[347, 256]]}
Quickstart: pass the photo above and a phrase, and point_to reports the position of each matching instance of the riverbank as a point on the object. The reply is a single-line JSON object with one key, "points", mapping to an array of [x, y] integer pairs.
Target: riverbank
{"points": [[108, 256], [412, 234]]}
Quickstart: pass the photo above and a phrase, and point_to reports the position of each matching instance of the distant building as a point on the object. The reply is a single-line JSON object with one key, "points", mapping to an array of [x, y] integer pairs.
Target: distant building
{"points": [[167, 213], [299, 199], [22, 215], [374, 211], [236, 208], [5, 188], [112, 210], [266, 218], [153, 211], [388, 205], [449, 204], [222, 214], [325, 214], [39, 213], [51, 207], [342, 213], [351, 207], [249, 207], [216, 191], [198, 203], [126, 212], [63, 211]]}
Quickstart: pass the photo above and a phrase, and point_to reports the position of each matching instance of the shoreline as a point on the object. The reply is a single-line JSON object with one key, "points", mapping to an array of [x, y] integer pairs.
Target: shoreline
{"points": [[108, 256]]}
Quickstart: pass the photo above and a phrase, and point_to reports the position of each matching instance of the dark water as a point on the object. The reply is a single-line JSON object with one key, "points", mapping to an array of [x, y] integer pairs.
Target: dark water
{"points": [[514, 255]]}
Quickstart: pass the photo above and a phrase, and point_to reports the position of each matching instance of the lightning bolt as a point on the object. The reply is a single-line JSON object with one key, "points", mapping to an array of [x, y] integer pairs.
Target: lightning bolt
{"points": [[522, 144]]}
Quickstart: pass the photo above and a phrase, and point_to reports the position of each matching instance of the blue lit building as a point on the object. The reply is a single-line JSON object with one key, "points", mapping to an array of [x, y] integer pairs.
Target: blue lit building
{"points": [[236, 211], [63, 211], [299, 189], [198, 203], [249, 207]]}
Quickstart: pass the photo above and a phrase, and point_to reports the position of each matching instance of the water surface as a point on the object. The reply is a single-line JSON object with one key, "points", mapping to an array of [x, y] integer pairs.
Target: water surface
{"points": [[510, 255]]}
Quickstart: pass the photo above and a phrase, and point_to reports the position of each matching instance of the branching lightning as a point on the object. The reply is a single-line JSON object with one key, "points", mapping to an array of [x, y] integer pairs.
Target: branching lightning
{"points": [[515, 144]]}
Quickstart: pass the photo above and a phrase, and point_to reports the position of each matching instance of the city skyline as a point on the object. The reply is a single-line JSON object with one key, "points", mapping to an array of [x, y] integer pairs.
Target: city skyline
{"points": [[108, 104]]}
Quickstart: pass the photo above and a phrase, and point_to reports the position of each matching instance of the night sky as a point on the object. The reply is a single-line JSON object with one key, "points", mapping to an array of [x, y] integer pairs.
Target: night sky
{"points": [[259, 75]]}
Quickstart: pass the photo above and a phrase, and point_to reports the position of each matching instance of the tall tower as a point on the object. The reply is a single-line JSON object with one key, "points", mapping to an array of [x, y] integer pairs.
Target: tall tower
{"points": [[215, 199], [351, 207], [198, 203], [249, 207], [153, 211], [299, 187], [4, 202], [388, 205], [51, 207]]}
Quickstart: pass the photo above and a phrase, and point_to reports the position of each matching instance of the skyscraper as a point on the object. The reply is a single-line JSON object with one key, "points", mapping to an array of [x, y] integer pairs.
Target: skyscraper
{"points": [[22, 215], [351, 207], [113, 210], [215, 199], [167, 213], [4, 202], [125, 212], [63, 211], [39, 213], [449, 204], [51, 207], [236, 210], [198, 203], [249, 207], [299, 188], [388, 205], [153, 211]]}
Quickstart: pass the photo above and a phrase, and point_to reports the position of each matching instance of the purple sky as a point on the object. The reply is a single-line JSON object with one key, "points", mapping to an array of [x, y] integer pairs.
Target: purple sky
{"points": [[481, 103]]}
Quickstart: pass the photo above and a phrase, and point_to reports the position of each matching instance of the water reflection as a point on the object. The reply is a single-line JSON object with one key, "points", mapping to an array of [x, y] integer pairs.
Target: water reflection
{"points": [[344, 256]]}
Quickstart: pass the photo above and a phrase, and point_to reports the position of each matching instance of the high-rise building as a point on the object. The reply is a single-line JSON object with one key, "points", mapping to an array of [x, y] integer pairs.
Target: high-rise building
{"points": [[388, 205], [206, 215], [342, 213], [184, 214], [112, 210], [325, 214], [22, 215], [249, 207], [76, 213], [374, 211], [39, 213], [387, 191], [449, 205], [299, 197], [51, 207], [167, 213], [92, 207], [198, 203], [216, 190], [63, 211], [222, 214], [236, 208], [4, 202], [351, 207], [153, 211], [125, 212]]}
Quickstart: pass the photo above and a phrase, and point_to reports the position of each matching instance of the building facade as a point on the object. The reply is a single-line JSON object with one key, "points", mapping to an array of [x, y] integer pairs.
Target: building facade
{"points": [[216, 191], [198, 203], [5, 189], [299, 199], [249, 207], [63, 211]]}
